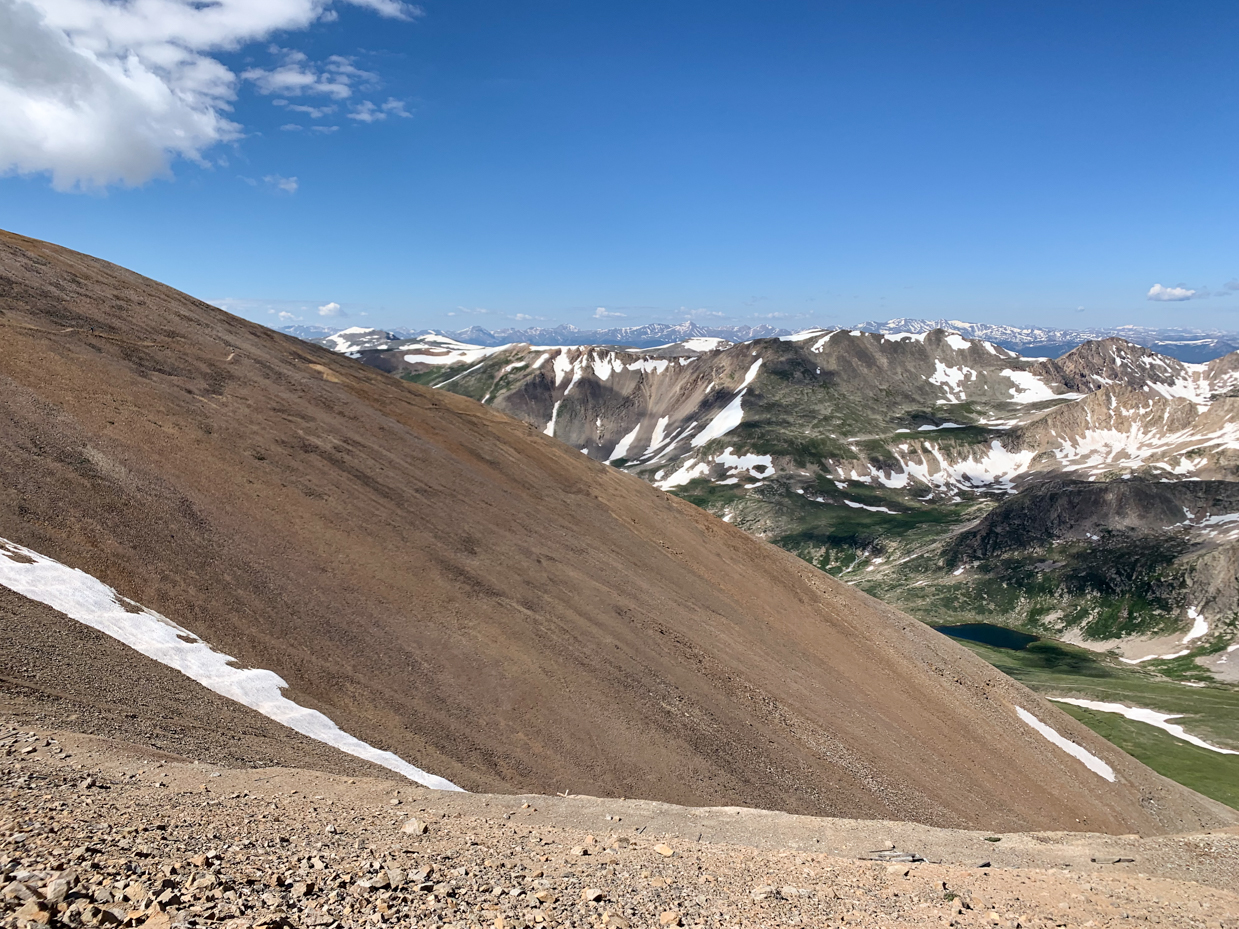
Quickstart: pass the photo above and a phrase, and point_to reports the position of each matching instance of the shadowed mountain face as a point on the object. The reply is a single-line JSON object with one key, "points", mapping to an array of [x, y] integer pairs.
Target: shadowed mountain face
{"points": [[448, 583]]}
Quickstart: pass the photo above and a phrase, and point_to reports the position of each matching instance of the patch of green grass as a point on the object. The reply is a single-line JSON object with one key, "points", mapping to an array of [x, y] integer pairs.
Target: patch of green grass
{"points": [[1210, 713], [1207, 772]]}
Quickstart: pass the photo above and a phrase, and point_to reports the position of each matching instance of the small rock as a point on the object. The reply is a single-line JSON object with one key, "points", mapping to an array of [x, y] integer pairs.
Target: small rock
{"points": [[592, 894], [669, 918], [414, 826], [665, 850], [579, 851], [56, 891]]}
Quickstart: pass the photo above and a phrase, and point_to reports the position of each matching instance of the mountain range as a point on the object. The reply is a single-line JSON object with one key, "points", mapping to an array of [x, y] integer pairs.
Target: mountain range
{"points": [[1090, 499], [1191, 345], [438, 587]]}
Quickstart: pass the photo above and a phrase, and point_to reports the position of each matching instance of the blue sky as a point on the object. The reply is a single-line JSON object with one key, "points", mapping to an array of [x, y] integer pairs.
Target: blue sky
{"points": [[500, 163]]}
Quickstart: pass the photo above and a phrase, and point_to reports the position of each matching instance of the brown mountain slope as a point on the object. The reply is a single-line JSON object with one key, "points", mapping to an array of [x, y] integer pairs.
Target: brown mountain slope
{"points": [[451, 585]]}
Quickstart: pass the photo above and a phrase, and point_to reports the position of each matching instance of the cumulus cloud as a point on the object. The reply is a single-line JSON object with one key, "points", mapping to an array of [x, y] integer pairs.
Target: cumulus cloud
{"points": [[1172, 294], [331, 309], [100, 92], [603, 313]]}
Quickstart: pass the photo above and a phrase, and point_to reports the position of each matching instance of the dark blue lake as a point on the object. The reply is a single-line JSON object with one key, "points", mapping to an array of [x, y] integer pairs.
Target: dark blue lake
{"points": [[987, 634]]}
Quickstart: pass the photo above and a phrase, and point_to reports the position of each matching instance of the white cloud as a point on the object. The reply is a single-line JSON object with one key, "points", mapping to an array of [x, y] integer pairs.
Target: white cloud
{"points": [[314, 112], [101, 92], [286, 184], [287, 317], [603, 313], [1171, 294], [1232, 285], [367, 112], [395, 107], [331, 309], [297, 75], [291, 127]]}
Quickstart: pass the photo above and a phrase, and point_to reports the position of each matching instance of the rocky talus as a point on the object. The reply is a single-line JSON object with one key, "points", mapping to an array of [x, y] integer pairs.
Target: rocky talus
{"points": [[100, 833]]}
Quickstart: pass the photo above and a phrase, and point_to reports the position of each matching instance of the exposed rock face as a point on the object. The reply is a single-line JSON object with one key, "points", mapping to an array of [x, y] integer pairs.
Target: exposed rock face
{"points": [[1056, 511]]}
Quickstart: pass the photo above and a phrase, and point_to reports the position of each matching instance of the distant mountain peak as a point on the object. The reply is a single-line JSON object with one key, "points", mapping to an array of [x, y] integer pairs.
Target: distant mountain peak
{"points": [[1185, 344]]}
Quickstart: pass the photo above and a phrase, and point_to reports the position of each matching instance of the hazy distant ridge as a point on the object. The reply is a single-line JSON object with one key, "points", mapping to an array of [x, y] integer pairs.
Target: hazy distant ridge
{"points": [[1191, 345]]}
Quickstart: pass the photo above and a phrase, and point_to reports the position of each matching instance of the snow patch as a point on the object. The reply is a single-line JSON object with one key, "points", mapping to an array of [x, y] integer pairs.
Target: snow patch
{"points": [[726, 420], [1030, 389], [91, 602], [550, 427], [1199, 626], [621, 447], [1152, 717], [687, 472], [872, 509], [958, 343], [1091, 761], [748, 378]]}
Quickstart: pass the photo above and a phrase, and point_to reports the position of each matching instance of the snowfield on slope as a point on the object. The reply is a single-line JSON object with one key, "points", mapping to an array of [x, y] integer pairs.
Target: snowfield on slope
{"points": [[1091, 761], [89, 601]]}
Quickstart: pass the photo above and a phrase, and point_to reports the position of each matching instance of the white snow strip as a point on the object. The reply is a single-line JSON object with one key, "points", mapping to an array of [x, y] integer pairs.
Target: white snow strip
{"points": [[621, 447], [872, 509], [705, 344], [550, 427], [748, 378], [904, 336], [688, 472], [726, 420], [801, 336], [1091, 761], [91, 602], [459, 356], [1152, 717], [1199, 627], [1157, 657], [660, 429]]}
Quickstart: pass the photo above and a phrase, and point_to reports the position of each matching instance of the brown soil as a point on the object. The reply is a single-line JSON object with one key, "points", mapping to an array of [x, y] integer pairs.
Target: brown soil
{"points": [[449, 584]]}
